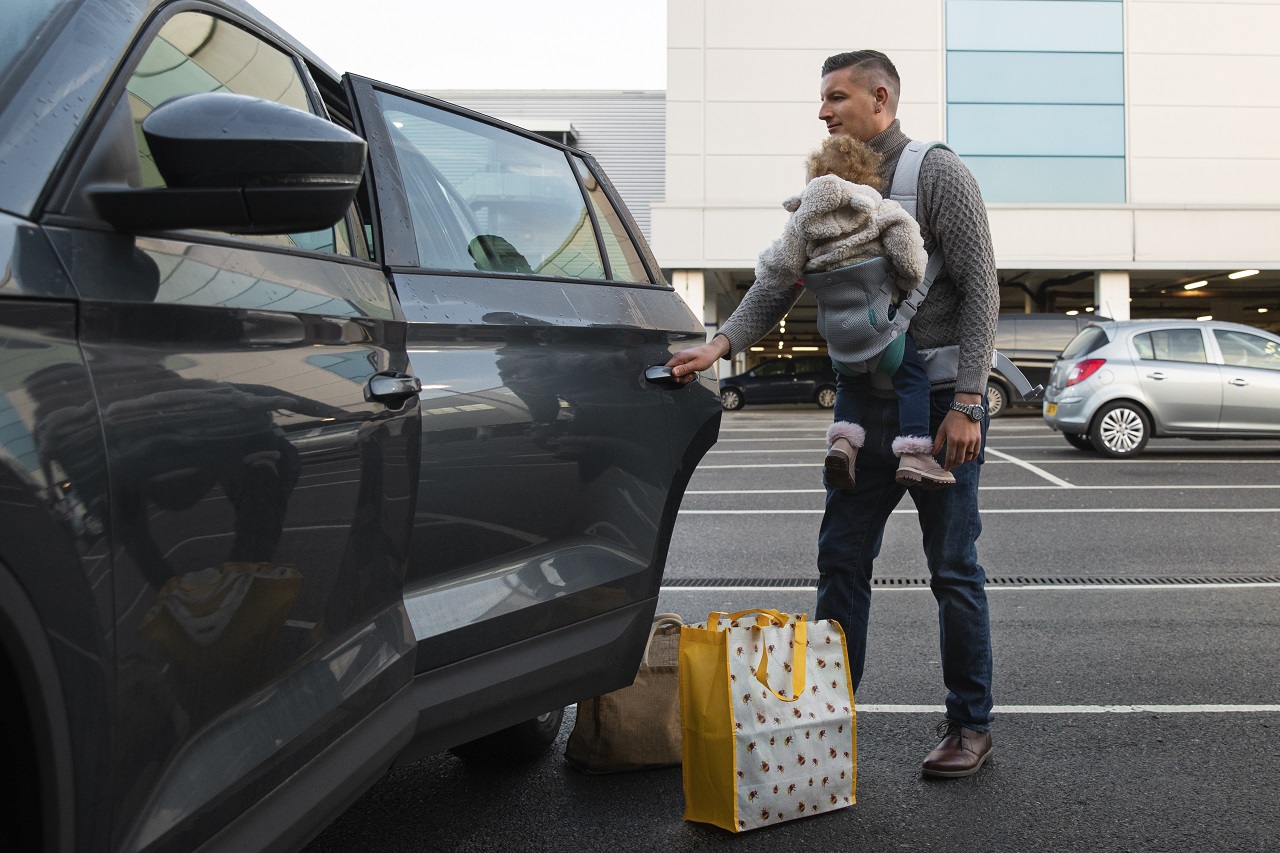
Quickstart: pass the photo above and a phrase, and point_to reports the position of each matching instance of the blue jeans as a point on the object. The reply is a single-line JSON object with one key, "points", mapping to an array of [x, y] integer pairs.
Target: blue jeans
{"points": [[910, 383], [851, 535]]}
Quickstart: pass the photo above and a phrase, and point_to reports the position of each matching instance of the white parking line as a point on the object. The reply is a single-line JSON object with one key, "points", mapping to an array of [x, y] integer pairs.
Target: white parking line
{"points": [[1039, 472], [1080, 709], [1020, 511], [1038, 587], [1213, 486]]}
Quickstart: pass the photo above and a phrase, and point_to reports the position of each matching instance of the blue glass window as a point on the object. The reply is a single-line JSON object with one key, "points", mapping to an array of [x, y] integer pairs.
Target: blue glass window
{"points": [[1049, 179], [1035, 78], [1061, 130], [1035, 25], [1035, 97]]}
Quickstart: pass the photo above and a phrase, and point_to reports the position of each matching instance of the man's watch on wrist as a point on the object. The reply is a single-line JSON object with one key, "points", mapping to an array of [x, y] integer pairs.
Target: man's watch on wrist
{"points": [[973, 410]]}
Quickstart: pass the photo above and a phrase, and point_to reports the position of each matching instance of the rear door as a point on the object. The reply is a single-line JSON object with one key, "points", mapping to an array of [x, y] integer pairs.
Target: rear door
{"points": [[259, 501], [1251, 382], [1182, 388], [548, 459], [773, 382]]}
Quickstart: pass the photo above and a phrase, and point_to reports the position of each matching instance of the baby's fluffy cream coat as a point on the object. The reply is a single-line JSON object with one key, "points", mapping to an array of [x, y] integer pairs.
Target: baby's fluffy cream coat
{"points": [[835, 222]]}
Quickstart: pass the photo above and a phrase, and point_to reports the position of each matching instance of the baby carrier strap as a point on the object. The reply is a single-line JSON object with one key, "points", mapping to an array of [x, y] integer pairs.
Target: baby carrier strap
{"points": [[905, 190]]}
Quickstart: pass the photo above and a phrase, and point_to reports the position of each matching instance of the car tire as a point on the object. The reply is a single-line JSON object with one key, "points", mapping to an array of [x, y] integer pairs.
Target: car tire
{"points": [[1080, 441], [997, 398], [518, 744], [826, 397], [1120, 430], [731, 399]]}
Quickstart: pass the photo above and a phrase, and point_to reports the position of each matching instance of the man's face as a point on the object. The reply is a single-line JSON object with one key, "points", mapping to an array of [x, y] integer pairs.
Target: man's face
{"points": [[849, 106]]}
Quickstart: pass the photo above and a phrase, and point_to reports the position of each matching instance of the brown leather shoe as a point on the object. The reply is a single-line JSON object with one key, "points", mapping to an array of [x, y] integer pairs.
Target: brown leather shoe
{"points": [[961, 753]]}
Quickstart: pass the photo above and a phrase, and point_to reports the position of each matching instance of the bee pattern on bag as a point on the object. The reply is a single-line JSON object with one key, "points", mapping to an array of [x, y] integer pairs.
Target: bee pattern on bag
{"points": [[746, 697], [814, 690], [825, 780], [831, 709], [764, 765], [833, 752], [800, 758], [751, 747], [828, 641], [733, 677], [786, 666], [742, 775], [797, 713], [837, 664], [800, 808], [764, 814], [791, 789], [776, 721], [822, 663], [842, 772], [840, 728], [822, 733], [772, 740], [835, 686], [738, 651], [738, 726], [834, 799], [775, 789], [786, 741], [807, 734], [759, 717], [810, 781], [752, 795], [742, 824], [772, 647]]}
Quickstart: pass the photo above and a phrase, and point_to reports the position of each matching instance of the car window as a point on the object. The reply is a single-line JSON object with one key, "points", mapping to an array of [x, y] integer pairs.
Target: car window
{"points": [[1085, 342], [485, 199], [22, 21], [1047, 334], [624, 260], [195, 52], [1246, 350], [772, 368], [1171, 345]]}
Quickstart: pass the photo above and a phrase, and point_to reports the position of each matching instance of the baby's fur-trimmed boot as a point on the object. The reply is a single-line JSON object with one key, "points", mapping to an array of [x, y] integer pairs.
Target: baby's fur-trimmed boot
{"points": [[916, 465], [843, 440]]}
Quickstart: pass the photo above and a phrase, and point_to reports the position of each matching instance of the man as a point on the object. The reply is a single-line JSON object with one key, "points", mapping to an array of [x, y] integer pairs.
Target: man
{"points": [[860, 92]]}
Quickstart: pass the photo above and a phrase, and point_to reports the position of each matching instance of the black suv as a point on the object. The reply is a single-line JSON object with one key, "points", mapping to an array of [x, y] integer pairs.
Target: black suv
{"points": [[1032, 342], [328, 430], [808, 379]]}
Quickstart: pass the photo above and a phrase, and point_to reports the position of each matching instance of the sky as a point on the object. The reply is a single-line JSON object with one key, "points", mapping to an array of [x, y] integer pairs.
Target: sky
{"points": [[486, 44]]}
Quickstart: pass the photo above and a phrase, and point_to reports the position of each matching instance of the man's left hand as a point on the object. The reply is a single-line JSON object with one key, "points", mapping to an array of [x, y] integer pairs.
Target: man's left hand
{"points": [[960, 435]]}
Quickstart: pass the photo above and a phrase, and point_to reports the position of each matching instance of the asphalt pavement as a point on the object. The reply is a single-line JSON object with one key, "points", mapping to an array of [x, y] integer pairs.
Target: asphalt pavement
{"points": [[1136, 622]]}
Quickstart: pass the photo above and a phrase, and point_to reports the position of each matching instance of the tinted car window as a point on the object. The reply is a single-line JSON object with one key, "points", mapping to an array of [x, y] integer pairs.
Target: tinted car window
{"points": [[1085, 342], [624, 260], [195, 52], [487, 199], [1245, 350], [1049, 335], [772, 368], [21, 22], [1171, 345]]}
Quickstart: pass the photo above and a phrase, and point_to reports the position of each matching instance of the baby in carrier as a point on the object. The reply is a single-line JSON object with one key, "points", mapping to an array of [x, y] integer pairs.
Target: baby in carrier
{"points": [[853, 248]]}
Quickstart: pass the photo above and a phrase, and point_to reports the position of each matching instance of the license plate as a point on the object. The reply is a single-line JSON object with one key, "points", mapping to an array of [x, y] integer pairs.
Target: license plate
{"points": [[1051, 409]]}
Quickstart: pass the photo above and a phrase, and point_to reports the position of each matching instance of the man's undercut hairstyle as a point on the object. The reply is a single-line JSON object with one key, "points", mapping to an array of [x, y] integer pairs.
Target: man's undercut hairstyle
{"points": [[873, 66]]}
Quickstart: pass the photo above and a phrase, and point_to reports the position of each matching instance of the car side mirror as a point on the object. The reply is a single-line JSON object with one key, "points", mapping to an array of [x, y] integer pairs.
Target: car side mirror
{"points": [[239, 164]]}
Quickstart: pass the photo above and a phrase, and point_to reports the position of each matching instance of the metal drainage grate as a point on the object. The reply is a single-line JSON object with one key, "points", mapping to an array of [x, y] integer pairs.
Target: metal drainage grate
{"points": [[991, 581]]}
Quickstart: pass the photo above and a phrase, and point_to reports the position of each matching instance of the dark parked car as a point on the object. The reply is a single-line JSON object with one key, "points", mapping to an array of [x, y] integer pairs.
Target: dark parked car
{"points": [[1032, 342], [328, 436], [807, 379]]}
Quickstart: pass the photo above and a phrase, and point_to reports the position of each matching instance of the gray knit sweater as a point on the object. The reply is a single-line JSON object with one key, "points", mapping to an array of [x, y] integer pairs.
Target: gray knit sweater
{"points": [[964, 301]]}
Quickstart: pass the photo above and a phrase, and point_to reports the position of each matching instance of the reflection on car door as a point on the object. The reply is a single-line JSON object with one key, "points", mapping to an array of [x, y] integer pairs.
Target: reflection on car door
{"points": [[1251, 382], [1183, 389], [258, 502], [547, 458]]}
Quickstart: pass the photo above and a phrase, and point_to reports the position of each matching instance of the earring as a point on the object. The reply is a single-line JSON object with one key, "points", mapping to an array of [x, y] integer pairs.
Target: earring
{"points": [[877, 109]]}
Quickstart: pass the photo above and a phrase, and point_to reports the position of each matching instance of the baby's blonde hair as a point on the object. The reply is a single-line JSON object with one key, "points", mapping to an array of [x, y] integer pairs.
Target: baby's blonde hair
{"points": [[847, 158]]}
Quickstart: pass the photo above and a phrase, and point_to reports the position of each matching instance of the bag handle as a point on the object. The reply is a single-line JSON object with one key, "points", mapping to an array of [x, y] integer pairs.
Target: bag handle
{"points": [[765, 616], [658, 621], [799, 656]]}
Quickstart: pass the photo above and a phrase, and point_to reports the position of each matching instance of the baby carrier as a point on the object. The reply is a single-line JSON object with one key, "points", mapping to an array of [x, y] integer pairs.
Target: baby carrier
{"points": [[870, 330]]}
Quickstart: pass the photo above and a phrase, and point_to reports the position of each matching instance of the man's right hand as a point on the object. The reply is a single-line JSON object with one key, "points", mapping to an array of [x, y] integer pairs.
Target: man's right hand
{"points": [[688, 363]]}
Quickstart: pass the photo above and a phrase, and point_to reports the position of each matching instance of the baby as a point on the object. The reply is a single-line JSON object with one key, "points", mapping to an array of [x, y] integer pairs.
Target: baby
{"points": [[838, 222]]}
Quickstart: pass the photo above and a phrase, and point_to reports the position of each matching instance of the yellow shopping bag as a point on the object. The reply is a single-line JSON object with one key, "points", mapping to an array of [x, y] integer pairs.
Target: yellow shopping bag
{"points": [[767, 718]]}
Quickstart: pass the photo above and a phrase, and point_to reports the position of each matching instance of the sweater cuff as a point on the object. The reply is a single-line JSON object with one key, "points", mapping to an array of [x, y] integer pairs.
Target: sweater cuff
{"points": [[738, 341], [970, 381]]}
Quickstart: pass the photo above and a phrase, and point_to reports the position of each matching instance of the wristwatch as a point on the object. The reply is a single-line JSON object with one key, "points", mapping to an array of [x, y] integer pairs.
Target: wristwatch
{"points": [[973, 410]]}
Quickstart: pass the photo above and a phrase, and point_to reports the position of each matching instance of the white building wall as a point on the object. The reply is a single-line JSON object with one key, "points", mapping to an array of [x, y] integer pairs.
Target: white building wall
{"points": [[1202, 108]]}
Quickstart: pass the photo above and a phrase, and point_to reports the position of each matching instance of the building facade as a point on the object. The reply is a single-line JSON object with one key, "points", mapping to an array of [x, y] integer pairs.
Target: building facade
{"points": [[1125, 148]]}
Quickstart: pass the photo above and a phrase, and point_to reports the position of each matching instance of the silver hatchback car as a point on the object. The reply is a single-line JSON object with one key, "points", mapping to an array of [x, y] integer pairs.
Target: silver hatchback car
{"points": [[1120, 383]]}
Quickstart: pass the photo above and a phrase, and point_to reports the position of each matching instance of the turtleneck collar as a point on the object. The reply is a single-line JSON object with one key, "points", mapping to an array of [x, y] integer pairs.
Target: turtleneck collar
{"points": [[889, 142]]}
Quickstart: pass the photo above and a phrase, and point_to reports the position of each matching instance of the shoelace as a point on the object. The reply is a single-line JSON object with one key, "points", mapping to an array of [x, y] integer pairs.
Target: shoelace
{"points": [[948, 727]]}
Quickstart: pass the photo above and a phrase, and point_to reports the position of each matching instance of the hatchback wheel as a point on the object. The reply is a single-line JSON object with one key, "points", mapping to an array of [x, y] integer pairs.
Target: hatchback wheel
{"points": [[995, 399], [521, 743], [826, 397], [1120, 430], [1079, 441], [730, 399]]}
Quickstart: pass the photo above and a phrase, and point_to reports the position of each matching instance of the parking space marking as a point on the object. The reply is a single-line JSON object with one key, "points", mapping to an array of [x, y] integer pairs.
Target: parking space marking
{"points": [[1080, 709], [1055, 587], [1213, 486], [1018, 511], [1039, 472]]}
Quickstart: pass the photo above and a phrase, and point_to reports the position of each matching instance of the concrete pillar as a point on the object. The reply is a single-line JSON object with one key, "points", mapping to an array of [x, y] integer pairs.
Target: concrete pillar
{"points": [[1111, 294], [691, 285]]}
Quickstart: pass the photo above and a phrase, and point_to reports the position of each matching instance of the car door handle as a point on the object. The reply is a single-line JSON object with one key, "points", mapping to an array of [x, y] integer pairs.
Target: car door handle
{"points": [[1239, 383], [660, 375], [391, 387], [1156, 375]]}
